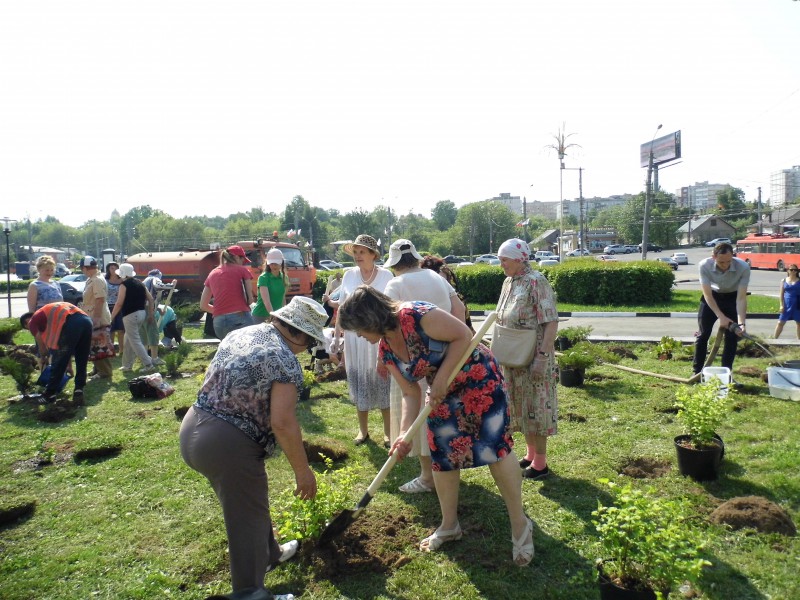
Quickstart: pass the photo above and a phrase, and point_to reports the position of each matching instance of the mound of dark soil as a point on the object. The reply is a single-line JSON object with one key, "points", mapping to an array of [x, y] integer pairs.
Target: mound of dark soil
{"points": [[374, 543], [623, 352], [756, 513], [644, 467], [572, 417], [99, 452]]}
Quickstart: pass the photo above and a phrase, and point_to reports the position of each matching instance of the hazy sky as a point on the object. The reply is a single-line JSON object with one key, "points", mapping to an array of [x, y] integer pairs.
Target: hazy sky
{"points": [[209, 108]]}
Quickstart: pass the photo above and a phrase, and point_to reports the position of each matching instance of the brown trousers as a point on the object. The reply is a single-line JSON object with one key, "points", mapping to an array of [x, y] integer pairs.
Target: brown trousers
{"points": [[234, 466]]}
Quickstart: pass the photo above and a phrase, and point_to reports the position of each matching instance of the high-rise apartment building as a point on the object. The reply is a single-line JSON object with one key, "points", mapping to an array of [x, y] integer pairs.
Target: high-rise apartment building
{"points": [[784, 186]]}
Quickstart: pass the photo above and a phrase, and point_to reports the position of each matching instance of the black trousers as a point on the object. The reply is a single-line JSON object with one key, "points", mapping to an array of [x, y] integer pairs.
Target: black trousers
{"points": [[705, 322]]}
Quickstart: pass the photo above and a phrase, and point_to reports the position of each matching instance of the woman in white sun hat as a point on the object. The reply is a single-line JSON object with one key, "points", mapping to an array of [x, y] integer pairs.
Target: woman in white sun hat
{"points": [[368, 389], [245, 407], [135, 304]]}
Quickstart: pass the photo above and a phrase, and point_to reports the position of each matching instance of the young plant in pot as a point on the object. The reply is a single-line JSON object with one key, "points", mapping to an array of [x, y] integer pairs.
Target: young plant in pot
{"points": [[702, 409], [573, 363], [647, 545], [309, 380], [569, 336]]}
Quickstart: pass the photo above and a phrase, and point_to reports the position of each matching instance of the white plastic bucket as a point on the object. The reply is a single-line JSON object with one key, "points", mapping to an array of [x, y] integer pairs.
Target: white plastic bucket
{"points": [[721, 373], [784, 383]]}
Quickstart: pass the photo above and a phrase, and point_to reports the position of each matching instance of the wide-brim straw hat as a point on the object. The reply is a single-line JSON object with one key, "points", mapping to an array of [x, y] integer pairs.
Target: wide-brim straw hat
{"points": [[126, 270], [367, 241], [304, 314]]}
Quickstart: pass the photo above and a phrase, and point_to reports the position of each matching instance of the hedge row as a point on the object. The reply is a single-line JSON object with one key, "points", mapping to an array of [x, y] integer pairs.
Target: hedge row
{"points": [[578, 281]]}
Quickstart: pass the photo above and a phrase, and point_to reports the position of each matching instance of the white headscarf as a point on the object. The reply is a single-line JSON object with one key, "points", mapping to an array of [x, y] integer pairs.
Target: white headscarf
{"points": [[515, 249]]}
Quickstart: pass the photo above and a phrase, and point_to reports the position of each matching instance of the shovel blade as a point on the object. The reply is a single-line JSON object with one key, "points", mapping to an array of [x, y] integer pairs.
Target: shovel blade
{"points": [[339, 524]]}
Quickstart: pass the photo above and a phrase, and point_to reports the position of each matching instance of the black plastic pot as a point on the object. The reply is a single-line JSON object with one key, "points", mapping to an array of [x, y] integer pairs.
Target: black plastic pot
{"points": [[305, 394], [699, 464], [571, 377], [563, 343], [611, 591]]}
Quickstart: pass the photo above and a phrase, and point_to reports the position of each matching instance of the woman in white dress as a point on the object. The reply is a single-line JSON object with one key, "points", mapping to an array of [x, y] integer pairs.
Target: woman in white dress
{"points": [[411, 282], [368, 389]]}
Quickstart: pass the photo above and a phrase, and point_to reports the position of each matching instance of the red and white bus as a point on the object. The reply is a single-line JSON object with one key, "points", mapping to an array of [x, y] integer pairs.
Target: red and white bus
{"points": [[769, 250]]}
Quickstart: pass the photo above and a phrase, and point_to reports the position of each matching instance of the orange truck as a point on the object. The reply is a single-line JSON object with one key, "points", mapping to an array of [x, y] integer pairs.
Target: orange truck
{"points": [[191, 267]]}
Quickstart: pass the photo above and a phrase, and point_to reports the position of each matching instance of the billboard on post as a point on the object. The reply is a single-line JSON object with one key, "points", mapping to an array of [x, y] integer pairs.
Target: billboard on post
{"points": [[665, 149]]}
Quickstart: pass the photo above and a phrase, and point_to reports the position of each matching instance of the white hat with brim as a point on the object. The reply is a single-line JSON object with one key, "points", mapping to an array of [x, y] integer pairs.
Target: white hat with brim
{"points": [[367, 241], [126, 270], [304, 314], [396, 251]]}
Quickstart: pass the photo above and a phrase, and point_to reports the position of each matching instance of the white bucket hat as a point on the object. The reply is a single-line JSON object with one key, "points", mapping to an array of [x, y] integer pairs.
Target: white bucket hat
{"points": [[126, 270], [400, 247], [304, 314]]}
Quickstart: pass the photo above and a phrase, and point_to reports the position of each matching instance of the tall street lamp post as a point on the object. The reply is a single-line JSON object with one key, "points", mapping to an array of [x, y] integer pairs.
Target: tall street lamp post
{"points": [[581, 220], [7, 231], [648, 197]]}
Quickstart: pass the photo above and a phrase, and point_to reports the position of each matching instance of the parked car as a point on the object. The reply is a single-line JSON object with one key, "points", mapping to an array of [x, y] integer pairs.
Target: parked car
{"points": [[495, 262], [331, 265], [452, 259], [680, 258], [632, 248], [616, 249], [670, 261], [548, 262], [485, 259], [74, 278], [540, 254], [61, 270], [650, 248], [579, 252], [716, 241], [605, 257], [71, 289]]}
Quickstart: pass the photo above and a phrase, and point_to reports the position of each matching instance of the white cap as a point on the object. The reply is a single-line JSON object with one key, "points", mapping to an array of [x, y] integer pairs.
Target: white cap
{"points": [[274, 257], [400, 247]]}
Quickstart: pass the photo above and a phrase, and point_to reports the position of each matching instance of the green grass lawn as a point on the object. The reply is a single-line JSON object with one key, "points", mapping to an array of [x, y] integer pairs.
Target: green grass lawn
{"points": [[141, 524]]}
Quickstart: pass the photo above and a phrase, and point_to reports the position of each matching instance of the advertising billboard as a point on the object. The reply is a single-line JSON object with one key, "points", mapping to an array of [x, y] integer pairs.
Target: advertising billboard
{"points": [[665, 149]]}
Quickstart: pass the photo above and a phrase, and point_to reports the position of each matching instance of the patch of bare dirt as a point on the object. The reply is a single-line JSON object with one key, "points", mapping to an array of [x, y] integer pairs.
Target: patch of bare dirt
{"points": [[373, 543], [645, 467], [334, 375], [331, 448], [572, 417], [749, 371], [756, 513], [623, 352], [107, 451]]}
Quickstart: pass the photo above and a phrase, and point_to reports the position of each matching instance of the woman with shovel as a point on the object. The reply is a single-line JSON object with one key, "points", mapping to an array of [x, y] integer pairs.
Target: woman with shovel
{"points": [[469, 425]]}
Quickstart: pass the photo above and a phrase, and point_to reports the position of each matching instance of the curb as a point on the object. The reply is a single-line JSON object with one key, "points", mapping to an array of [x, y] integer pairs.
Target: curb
{"points": [[628, 315]]}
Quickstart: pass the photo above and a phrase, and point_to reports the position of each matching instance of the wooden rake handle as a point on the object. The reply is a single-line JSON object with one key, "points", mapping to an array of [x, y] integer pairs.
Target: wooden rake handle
{"points": [[426, 410]]}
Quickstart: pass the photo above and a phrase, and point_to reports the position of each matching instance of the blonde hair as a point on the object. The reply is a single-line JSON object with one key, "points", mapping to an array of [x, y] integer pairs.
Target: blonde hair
{"points": [[227, 257], [45, 261]]}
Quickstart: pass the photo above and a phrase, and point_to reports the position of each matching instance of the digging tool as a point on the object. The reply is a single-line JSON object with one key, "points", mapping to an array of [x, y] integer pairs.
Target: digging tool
{"points": [[346, 517]]}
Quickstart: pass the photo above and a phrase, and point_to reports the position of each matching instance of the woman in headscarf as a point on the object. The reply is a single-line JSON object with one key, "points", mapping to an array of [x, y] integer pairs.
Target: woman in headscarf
{"points": [[527, 302]]}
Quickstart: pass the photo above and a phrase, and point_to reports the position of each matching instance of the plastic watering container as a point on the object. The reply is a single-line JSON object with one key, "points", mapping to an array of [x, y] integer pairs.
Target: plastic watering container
{"points": [[721, 373], [784, 383]]}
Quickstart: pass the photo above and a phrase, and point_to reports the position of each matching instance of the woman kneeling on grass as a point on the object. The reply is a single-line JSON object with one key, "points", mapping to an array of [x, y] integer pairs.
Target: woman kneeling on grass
{"points": [[247, 402], [469, 424]]}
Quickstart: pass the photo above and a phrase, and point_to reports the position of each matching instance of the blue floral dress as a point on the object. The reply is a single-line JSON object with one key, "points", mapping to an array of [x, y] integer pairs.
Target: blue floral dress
{"points": [[471, 427]]}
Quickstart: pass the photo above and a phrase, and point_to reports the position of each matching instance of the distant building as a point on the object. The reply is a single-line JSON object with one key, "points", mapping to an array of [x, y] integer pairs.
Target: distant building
{"points": [[513, 203], [700, 197], [784, 186]]}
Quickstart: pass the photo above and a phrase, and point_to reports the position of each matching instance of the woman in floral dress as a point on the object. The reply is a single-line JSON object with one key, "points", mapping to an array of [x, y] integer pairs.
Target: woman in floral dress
{"points": [[527, 302], [469, 423]]}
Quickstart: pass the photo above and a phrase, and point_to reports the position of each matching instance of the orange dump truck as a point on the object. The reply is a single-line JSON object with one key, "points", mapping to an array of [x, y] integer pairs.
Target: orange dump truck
{"points": [[191, 267]]}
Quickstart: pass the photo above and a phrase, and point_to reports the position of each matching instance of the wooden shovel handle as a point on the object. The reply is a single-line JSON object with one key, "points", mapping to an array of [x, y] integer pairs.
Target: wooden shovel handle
{"points": [[426, 410]]}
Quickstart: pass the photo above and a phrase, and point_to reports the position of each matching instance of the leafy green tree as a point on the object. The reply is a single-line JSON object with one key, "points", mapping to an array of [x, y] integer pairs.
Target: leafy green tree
{"points": [[444, 214], [730, 201], [357, 222]]}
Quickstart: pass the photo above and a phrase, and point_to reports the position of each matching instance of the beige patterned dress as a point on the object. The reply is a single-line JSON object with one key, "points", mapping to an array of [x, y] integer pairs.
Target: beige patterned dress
{"points": [[527, 302]]}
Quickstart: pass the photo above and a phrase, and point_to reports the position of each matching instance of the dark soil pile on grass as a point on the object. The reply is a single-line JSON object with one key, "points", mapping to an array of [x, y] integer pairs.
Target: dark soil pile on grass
{"points": [[373, 543], [623, 352], [756, 513], [645, 467]]}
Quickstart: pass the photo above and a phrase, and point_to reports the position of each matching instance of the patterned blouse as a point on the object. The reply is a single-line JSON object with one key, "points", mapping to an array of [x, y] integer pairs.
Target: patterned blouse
{"points": [[238, 384], [47, 293]]}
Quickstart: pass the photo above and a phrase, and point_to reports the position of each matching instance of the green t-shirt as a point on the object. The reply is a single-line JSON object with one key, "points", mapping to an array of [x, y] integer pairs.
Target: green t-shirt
{"points": [[277, 286]]}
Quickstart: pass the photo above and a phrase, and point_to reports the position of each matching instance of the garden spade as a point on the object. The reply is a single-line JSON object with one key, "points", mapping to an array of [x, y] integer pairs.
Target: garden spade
{"points": [[346, 517]]}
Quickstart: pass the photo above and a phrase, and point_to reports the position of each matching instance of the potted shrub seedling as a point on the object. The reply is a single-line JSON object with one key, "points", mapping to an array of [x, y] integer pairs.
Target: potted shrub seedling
{"points": [[573, 363], [309, 380], [647, 545], [668, 347], [569, 336], [702, 409]]}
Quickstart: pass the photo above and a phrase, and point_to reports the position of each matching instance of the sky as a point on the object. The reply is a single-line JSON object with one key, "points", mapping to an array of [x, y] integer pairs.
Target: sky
{"points": [[211, 108]]}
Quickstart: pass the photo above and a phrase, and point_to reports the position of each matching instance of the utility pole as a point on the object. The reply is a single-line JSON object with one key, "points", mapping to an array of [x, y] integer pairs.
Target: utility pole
{"points": [[758, 212], [7, 231], [648, 199]]}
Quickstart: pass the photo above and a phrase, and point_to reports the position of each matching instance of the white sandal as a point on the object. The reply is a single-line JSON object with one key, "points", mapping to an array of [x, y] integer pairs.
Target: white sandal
{"points": [[434, 542], [520, 551], [415, 486]]}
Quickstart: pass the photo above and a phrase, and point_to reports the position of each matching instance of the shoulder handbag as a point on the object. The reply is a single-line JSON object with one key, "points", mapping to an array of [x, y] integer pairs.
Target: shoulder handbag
{"points": [[513, 347]]}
